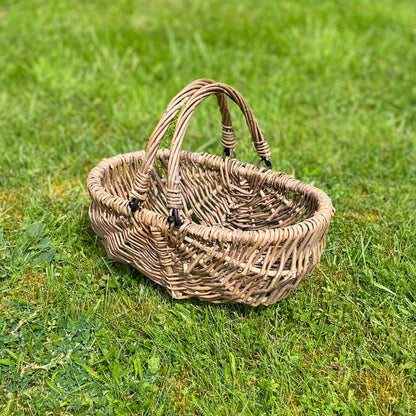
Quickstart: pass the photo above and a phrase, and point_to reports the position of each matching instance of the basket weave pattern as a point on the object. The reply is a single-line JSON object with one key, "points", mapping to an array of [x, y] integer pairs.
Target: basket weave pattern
{"points": [[246, 234]]}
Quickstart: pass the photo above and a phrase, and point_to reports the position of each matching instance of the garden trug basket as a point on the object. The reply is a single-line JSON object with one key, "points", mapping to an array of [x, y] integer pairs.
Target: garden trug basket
{"points": [[208, 226]]}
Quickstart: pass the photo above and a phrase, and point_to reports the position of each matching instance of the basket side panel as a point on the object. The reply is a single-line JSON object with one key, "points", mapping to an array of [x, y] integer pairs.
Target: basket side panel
{"points": [[256, 275]]}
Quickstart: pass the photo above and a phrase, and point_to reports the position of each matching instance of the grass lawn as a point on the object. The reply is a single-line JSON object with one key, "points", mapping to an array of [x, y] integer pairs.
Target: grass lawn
{"points": [[333, 87]]}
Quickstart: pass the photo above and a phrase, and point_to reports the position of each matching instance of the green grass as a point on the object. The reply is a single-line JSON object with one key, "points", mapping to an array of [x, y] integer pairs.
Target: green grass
{"points": [[333, 86]]}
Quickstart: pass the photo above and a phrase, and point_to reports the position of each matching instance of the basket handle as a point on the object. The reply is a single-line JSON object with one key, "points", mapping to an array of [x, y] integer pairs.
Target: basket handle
{"points": [[142, 180], [174, 197]]}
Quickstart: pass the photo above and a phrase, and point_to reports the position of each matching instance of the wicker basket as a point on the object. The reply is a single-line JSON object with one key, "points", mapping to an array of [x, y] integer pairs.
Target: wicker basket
{"points": [[208, 226]]}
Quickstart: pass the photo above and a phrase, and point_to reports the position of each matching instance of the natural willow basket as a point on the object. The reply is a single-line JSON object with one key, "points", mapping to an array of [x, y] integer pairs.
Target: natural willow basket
{"points": [[208, 226]]}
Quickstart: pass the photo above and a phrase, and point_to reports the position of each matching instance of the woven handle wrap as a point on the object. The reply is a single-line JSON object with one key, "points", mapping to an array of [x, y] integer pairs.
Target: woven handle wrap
{"points": [[174, 199], [142, 180]]}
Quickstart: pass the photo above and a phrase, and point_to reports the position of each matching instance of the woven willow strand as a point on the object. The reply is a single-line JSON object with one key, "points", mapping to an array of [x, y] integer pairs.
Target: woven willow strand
{"points": [[141, 184], [262, 147], [249, 235]]}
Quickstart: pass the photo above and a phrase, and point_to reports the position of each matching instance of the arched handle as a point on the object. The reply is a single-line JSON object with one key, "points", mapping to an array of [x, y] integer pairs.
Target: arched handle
{"points": [[188, 99], [142, 180], [174, 198]]}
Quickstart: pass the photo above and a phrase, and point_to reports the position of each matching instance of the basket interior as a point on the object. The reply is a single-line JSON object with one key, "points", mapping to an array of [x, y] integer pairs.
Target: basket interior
{"points": [[230, 198]]}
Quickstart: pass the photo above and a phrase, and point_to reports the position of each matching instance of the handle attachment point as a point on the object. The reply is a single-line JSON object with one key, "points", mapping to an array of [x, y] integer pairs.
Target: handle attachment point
{"points": [[134, 205], [229, 153], [174, 218], [266, 161]]}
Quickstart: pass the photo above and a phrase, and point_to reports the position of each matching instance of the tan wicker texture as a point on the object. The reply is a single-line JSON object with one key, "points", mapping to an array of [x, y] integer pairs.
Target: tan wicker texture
{"points": [[207, 226]]}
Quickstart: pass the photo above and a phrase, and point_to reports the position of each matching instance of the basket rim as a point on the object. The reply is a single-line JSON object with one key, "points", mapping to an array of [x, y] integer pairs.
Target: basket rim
{"points": [[118, 205]]}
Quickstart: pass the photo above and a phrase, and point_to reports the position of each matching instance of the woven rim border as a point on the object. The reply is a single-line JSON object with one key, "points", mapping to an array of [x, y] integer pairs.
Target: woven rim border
{"points": [[120, 206]]}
